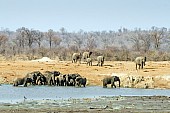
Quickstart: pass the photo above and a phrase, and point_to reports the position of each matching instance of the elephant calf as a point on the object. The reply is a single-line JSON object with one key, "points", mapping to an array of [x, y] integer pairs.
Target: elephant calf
{"points": [[81, 81], [89, 61], [110, 80], [100, 60]]}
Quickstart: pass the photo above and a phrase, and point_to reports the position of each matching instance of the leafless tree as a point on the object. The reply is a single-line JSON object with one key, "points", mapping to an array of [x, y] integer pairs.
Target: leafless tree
{"points": [[56, 40], [38, 37], [135, 40], [49, 36], [91, 42], [145, 37], [157, 36], [3, 41]]}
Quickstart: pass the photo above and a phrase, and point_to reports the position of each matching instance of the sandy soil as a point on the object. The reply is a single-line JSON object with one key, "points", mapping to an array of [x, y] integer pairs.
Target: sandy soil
{"points": [[154, 74]]}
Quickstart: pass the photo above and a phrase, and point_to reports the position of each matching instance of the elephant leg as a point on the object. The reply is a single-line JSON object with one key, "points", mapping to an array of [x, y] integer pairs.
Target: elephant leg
{"points": [[25, 84], [113, 84], [142, 65], [139, 66], [104, 85]]}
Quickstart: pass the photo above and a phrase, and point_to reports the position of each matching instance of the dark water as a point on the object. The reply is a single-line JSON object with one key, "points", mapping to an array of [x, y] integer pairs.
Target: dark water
{"points": [[11, 94]]}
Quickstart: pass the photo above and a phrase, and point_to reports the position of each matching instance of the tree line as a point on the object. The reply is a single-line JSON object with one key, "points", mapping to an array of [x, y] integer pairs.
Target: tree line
{"points": [[123, 44]]}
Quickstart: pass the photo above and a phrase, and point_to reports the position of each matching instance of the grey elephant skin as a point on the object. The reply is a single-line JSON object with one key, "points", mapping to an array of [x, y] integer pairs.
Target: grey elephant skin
{"points": [[22, 81], [61, 80], [76, 57], [89, 61], [29, 78], [71, 79], [33, 75], [111, 80], [51, 77], [86, 55], [100, 60], [140, 61], [80, 81]]}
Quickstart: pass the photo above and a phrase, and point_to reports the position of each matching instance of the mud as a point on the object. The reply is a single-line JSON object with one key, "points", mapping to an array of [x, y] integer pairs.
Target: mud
{"points": [[104, 104]]}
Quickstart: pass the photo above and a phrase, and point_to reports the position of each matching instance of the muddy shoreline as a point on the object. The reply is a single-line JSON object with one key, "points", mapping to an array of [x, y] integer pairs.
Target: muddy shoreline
{"points": [[105, 104]]}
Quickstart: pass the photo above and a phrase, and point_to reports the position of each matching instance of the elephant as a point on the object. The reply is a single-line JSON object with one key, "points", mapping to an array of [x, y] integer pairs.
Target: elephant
{"points": [[76, 57], [140, 61], [86, 55], [61, 80], [70, 79], [71, 82], [51, 77], [111, 80], [81, 81], [33, 75], [89, 61], [22, 81], [41, 80], [100, 60]]}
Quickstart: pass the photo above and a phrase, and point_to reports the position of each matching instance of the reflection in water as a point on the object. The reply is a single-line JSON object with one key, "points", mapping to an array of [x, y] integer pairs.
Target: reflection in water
{"points": [[11, 94]]}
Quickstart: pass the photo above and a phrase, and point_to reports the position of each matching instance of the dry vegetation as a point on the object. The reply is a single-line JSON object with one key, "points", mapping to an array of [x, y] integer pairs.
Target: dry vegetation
{"points": [[154, 74]]}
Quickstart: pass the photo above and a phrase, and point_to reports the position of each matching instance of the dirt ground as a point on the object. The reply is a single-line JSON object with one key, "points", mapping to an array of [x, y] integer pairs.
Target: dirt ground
{"points": [[154, 74]]}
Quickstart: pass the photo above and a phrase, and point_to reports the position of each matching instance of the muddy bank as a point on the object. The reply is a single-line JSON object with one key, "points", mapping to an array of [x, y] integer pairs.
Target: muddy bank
{"points": [[102, 104]]}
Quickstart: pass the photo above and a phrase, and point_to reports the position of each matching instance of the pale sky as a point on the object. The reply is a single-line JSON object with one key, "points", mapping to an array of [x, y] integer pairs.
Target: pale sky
{"points": [[88, 15]]}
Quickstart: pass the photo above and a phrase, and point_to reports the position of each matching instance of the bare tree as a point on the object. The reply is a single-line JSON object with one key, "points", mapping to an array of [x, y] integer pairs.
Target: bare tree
{"points": [[3, 41], [91, 42], [38, 37], [157, 36], [135, 40], [50, 35], [145, 37], [78, 41], [56, 40]]}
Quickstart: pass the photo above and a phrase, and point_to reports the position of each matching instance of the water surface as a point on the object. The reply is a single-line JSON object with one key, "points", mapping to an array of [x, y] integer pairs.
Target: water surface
{"points": [[11, 94]]}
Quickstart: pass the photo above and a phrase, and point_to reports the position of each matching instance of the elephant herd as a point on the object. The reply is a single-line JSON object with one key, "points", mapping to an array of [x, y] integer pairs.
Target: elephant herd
{"points": [[86, 58], [55, 78], [139, 61], [52, 78]]}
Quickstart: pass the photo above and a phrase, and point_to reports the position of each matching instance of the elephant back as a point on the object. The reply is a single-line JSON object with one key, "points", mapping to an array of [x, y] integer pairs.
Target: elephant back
{"points": [[139, 60], [100, 58]]}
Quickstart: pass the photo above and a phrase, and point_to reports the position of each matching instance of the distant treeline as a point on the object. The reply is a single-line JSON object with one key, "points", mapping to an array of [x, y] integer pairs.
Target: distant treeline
{"points": [[123, 44]]}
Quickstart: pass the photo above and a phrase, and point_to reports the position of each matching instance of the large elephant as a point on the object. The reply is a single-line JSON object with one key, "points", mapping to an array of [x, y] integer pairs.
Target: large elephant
{"points": [[86, 55], [71, 79], [61, 80], [76, 57], [22, 81], [111, 80], [41, 80], [33, 75], [89, 61], [51, 77], [81, 81], [140, 61], [100, 60]]}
